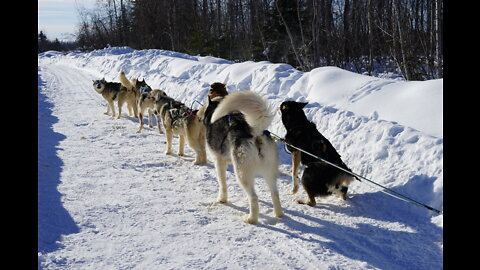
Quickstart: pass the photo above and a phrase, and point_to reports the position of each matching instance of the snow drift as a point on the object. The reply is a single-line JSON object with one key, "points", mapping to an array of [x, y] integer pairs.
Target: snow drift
{"points": [[403, 142]]}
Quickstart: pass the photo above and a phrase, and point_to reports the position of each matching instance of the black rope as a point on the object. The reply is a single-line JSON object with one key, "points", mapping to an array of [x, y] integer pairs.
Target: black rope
{"points": [[357, 176]]}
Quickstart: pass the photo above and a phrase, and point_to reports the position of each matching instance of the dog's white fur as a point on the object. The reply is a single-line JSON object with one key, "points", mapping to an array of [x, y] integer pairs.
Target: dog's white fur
{"points": [[126, 82], [246, 159], [149, 105], [252, 105], [108, 94], [187, 127], [130, 96], [108, 98]]}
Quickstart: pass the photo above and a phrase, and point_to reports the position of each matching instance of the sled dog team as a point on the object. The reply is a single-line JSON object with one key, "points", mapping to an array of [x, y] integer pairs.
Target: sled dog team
{"points": [[232, 127]]}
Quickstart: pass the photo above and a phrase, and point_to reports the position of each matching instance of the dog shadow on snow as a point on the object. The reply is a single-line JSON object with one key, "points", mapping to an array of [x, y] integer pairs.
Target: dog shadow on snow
{"points": [[372, 227], [384, 232], [53, 219]]}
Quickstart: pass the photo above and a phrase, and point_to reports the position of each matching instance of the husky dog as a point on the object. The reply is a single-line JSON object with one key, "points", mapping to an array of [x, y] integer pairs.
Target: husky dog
{"points": [[181, 120], [319, 178], [161, 98], [147, 102], [110, 91], [235, 133], [217, 89], [132, 94]]}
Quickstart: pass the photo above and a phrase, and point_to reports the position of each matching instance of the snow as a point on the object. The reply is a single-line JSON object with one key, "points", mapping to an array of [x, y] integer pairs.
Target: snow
{"points": [[109, 198]]}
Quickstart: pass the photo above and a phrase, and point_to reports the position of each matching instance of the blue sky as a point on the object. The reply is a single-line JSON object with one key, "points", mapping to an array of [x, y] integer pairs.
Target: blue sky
{"points": [[57, 17]]}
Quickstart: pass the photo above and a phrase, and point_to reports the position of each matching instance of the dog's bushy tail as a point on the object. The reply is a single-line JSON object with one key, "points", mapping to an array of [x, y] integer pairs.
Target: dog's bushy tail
{"points": [[252, 105], [125, 82]]}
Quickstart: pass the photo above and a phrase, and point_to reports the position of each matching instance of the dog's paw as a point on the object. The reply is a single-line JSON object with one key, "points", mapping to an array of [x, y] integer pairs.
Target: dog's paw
{"points": [[295, 189], [221, 200], [199, 162], [168, 152], [250, 220], [181, 154], [279, 215], [309, 203]]}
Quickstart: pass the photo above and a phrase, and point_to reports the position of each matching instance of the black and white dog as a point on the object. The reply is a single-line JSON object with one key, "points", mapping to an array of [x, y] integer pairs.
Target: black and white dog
{"points": [[110, 92], [235, 134], [319, 178], [180, 120]]}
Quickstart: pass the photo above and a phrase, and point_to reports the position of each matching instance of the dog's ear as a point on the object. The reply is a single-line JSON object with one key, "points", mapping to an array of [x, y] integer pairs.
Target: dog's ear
{"points": [[302, 104]]}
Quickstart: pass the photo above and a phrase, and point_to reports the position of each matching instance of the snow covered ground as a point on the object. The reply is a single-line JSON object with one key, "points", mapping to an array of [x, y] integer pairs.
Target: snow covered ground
{"points": [[109, 198]]}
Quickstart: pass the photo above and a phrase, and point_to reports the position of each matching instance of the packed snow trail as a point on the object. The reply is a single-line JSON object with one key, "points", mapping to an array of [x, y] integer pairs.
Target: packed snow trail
{"points": [[119, 202]]}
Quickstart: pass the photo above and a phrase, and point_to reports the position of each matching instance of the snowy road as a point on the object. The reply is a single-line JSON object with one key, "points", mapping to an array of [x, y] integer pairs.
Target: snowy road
{"points": [[109, 198]]}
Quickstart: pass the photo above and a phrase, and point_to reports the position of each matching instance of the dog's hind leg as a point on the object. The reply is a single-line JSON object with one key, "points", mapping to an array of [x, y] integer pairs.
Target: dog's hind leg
{"points": [[295, 167], [181, 145], [221, 169], [135, 109], [140, 118], [150, 116], [129, 107], [169, 135], [246, 180], [197, 142], [201, 157], [120, 101], [112, 107], [311, 200], [159, 124], [200, 151], [271, 181], [108, 109], [120, 104]]}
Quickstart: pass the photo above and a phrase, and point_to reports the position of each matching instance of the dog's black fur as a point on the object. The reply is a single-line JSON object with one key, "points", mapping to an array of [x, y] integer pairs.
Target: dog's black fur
{"points": [[232, 127], [233, 139], [319, 178], [114, 87]]}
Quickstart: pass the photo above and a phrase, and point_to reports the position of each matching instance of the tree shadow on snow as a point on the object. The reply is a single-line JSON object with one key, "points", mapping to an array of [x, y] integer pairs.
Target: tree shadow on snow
{"points": [[53, 220], [385, 232]]}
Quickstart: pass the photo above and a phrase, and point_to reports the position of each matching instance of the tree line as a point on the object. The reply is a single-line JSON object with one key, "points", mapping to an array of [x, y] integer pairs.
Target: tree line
{"points": [[358, 35], [45, 44]]}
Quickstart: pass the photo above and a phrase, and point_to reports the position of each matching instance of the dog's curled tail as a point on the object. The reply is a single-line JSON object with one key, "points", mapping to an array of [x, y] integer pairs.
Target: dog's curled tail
{"points": [[252, 105], [125, 82]]}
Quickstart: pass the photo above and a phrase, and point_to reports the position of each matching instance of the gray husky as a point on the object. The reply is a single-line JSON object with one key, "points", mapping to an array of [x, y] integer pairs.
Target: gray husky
{"points": [[181, 120], [110, 91], [235, 127], [147, 101], [132, 95]]}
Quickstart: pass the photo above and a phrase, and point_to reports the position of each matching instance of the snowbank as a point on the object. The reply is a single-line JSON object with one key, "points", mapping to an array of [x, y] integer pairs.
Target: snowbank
{"points": [[416, 104], [388, 130]]}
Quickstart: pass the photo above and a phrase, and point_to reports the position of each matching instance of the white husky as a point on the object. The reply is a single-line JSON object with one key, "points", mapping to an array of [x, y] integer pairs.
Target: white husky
{"points": [[235, 133]]}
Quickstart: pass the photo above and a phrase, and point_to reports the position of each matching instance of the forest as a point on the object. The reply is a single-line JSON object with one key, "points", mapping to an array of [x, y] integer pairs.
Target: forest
{"points": [[363, 36]]}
